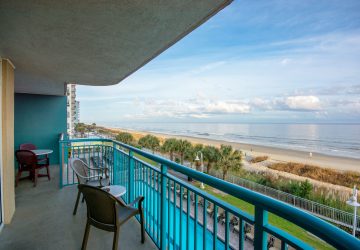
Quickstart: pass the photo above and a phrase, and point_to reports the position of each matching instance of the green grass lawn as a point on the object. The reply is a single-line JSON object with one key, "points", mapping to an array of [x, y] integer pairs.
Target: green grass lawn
{"points": [[273, 220], [153, 163]]}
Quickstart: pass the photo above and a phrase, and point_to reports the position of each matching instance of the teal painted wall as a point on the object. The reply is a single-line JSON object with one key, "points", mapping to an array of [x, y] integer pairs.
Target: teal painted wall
{"points": [[39, 119]]}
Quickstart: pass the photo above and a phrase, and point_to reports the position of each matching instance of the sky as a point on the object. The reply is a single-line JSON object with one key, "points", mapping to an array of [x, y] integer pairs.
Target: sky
{"points": [[255, 61]]}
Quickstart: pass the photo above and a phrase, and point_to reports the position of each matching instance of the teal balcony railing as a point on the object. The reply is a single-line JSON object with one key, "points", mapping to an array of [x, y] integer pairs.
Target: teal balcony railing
{"points": [[178, 215]]}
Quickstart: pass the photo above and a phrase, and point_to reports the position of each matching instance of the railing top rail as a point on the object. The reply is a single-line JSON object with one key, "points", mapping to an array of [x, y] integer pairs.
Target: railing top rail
{"points": [[324, 230]]}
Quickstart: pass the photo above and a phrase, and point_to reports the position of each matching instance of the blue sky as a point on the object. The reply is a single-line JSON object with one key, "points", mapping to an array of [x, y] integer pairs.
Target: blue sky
{"points": [[255, 61]]}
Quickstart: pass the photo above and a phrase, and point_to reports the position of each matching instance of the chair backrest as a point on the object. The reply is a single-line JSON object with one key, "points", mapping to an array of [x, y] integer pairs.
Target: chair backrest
{"points": [[80, 168], [101, 206], [27, 146], [25, 158]]}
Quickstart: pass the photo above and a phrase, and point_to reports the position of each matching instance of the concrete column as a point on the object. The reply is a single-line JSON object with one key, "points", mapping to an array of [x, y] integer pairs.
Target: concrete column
{"points": [[7, 138]]}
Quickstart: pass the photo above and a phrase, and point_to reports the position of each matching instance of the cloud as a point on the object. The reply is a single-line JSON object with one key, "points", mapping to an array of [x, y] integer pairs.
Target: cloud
{"points": [[227, 108], [195, 108], [340, 90], [303, 103], [293, 103], [203, 108], [349, 106], [285, 61], [207, 67]]}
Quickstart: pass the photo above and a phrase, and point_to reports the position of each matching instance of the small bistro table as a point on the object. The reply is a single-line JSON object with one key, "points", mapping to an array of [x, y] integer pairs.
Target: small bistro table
{"points": [[39, 152], [115, 190], [42, 152]]}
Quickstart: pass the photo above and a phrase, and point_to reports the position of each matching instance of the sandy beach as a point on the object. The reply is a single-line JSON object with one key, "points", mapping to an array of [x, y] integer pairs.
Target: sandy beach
{"points": [[275, 154]]}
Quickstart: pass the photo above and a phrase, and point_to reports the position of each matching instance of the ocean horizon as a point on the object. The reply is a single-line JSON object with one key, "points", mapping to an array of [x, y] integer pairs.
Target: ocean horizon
{"points": [[331, 139]]}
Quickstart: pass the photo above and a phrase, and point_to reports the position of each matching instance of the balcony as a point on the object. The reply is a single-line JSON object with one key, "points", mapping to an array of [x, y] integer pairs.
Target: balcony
{"points": [[44, 220], [176, 210]]}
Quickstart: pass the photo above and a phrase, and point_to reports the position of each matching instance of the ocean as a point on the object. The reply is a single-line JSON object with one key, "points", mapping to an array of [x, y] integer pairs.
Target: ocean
{"points": [[331, 139]]}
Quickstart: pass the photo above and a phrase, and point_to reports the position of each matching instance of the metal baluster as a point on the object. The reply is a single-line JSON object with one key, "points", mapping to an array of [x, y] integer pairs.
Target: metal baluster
{"points": [[174, 217], [227, 230], [260, 236], [181, 213], [204, 223], [284, 246], [188, 211], [168, 209], [241, 233], [195, 221], [215, 227]]}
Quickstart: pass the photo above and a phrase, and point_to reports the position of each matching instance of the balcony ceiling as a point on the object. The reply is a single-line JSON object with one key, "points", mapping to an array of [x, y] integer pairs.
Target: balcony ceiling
{"points": [[91, 42]]}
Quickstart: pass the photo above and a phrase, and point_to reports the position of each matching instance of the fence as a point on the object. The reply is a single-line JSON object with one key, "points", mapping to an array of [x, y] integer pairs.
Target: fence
{"points": [[331, 214]]}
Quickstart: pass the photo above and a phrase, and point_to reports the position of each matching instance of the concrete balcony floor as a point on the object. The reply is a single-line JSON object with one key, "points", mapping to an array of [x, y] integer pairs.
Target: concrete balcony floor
{"points": [[43, 220]]}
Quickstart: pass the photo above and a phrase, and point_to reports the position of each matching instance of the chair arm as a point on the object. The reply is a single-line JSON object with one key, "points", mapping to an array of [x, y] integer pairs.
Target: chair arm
{"points": [[138, 200]]}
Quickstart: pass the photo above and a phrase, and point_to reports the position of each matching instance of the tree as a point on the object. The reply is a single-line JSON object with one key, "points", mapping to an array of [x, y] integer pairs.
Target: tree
{"points": [[126, 138], [211, 156], [169, 146], [182, 146], [229, 160], [93, 126], [80, 128], [150, 142]]}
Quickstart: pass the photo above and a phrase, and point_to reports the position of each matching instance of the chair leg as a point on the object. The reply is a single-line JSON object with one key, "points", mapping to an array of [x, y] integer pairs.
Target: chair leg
{"points": [[77, 202], [48, 172], [86, 236], [36, 173], [17, 178], [116, 239], [142, 225]]}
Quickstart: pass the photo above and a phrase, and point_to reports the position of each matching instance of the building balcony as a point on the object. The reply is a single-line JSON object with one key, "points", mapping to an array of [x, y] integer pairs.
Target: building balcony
{"points": [[179, 215], [44, 220]]}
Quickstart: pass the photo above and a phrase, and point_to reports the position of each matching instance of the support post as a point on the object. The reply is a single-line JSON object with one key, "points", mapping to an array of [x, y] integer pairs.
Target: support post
{"points": [[163, 208], [354, 221], [260, 237], [114, 165], [131, 176], [61, 163]]}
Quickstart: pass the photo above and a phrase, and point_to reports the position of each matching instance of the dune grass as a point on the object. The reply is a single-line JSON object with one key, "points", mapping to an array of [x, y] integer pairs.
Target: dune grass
{"points": [[342, 178], [259, 159]]}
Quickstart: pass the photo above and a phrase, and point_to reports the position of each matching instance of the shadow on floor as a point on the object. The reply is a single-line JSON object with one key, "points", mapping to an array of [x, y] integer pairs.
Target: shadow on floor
{"points": [[43, 220]]}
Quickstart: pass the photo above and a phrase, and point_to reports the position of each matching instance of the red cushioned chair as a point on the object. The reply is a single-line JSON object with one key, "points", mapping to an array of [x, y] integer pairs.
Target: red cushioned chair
{"points": [[28, 162], [30, 146]]}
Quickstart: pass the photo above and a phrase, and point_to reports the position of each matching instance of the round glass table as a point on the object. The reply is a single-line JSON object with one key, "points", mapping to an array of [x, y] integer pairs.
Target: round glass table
{"points": [[115, 190]]}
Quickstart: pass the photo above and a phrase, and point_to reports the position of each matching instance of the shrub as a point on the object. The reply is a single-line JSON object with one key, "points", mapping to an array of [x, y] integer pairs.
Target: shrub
{"points": [[125, 137], [259, 159]]}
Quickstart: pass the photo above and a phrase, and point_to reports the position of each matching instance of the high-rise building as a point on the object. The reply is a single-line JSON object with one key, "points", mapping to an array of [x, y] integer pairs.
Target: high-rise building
{"points": [[73, 108]]}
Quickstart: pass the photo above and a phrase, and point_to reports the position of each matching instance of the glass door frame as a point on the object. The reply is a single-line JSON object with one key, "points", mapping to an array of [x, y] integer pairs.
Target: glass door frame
{"points": [[1, 167]]}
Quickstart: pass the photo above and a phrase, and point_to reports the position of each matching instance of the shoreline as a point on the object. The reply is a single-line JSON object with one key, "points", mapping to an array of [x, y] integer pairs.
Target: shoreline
{"points": [[276, 154]]}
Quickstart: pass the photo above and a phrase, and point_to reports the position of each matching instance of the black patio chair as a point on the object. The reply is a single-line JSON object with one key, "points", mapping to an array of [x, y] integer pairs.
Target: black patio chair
{"points": [[106, 212]]}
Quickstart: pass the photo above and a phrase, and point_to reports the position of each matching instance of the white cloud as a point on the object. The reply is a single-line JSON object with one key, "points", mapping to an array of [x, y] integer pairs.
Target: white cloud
{"points": [[310, 103], [196, 108], [207, 67], [227, 107], [285, 61]]}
